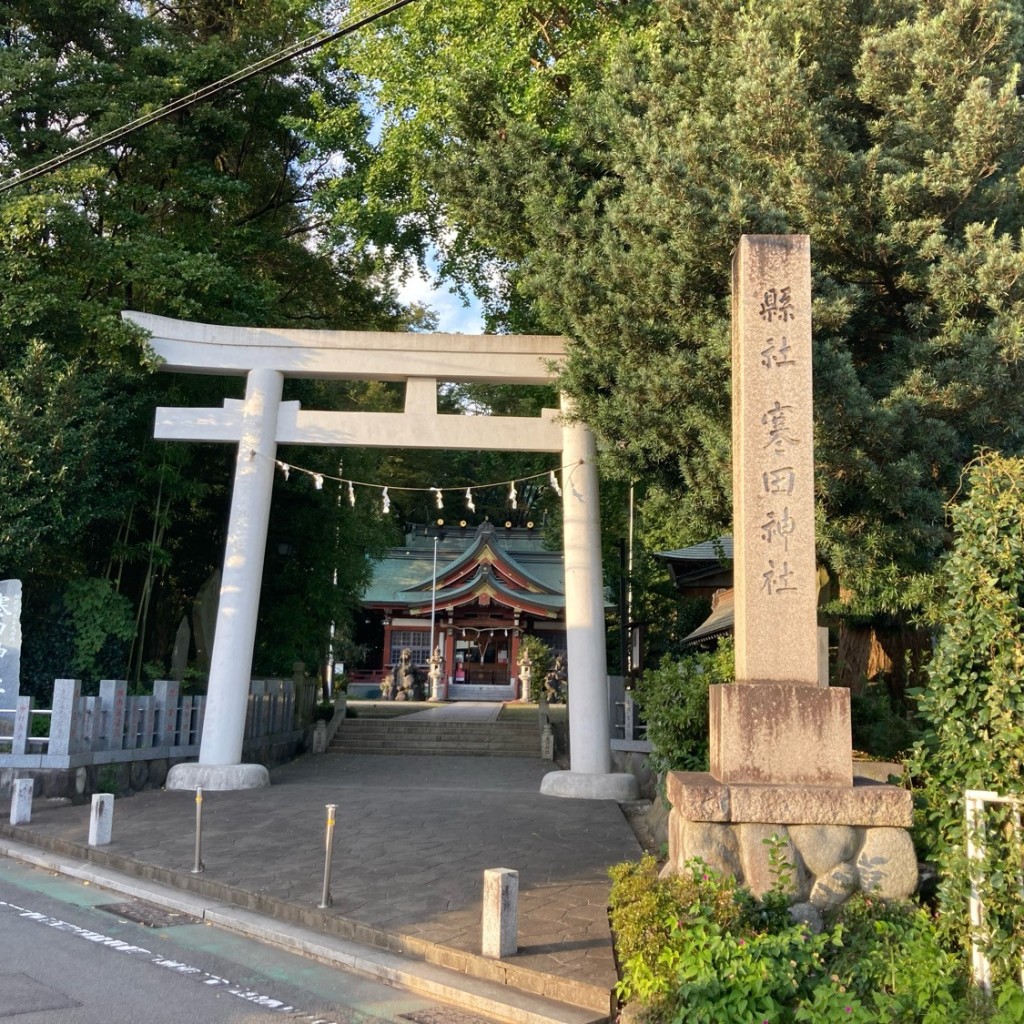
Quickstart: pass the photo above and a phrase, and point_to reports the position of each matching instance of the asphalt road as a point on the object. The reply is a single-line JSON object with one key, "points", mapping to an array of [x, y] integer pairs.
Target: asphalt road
{"points": [[71, 953]]}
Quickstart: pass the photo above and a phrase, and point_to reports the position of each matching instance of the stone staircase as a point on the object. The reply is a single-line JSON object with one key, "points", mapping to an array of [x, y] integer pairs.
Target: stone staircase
{"points": [[404, 736]]}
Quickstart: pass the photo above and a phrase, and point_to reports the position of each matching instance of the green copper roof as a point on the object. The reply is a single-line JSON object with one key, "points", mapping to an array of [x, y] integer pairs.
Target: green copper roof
{"points": [[411, 566]]}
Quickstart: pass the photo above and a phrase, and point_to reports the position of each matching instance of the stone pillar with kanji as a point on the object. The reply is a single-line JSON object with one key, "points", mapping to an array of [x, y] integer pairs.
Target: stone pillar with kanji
{"points": [[781, 755]]}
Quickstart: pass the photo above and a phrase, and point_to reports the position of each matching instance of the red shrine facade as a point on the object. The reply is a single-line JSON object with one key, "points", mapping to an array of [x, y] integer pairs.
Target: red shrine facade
{"points": [[474, 592]]}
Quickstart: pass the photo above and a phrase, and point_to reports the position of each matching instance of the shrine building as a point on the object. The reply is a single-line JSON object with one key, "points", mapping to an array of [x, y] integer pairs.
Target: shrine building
{"points": [[481, 590]]}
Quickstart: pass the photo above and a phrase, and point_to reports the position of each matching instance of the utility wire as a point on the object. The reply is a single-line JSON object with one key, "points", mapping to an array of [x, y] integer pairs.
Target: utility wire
{"points": [[207, 92]]}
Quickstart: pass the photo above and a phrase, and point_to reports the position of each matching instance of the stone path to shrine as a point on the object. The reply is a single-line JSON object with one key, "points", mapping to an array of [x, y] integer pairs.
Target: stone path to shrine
{"points": [[459, 711]]}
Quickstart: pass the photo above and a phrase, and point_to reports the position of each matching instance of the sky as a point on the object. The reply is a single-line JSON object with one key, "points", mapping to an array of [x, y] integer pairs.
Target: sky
{"points": [[452, 315]]}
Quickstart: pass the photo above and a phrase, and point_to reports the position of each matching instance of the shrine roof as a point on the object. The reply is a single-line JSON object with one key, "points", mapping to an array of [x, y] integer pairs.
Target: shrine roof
{"points": [[700, 565], [402, 575], [721, 621], [483, 581]]}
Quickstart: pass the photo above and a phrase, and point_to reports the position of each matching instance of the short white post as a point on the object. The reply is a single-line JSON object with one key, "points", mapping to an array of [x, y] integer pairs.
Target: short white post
{"points": [[21, 801], [320, 737], [501, 912], [547, 743], [101, 820]]}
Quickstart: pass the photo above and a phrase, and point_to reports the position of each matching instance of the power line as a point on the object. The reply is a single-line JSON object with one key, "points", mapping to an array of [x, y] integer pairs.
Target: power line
{"points": [[207, 92]]}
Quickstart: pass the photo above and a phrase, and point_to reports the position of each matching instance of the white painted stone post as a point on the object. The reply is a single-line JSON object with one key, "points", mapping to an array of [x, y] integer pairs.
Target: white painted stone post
{"points": [[590, 776], [21, 801], [220, 753], [320, 737], [547, 743], [501, 912], [101, 819]]}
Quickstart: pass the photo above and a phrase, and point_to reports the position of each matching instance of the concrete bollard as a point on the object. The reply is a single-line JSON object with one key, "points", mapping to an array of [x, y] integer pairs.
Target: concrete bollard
{"points": [[501, 912], [101, 820], [21, 801], [320, 738], [547, 743]]}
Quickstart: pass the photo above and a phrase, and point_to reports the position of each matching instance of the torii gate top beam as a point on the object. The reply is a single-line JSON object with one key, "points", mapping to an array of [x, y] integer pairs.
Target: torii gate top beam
{"points": [[189, 347]]}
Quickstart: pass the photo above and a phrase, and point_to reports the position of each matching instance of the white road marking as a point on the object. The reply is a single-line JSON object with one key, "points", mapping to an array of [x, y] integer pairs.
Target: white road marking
{"points": [[148, 956]]}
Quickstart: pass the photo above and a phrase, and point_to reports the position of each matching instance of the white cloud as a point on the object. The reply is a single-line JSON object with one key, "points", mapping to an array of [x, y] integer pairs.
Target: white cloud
{"points": [[452, 315]]}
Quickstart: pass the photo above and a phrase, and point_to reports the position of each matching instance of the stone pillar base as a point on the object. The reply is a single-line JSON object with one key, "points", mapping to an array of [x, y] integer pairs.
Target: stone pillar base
{"points": [[780, 733], [617, 786], [217, 777], [837, 838]]}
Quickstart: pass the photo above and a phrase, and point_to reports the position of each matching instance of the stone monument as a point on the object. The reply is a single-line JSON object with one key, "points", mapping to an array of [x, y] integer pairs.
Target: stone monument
{"points": [[10, 642], [781, 758]]}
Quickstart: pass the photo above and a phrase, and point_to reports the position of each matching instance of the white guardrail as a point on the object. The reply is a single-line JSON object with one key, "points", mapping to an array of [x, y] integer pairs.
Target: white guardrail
{"points": [[975, 802]]}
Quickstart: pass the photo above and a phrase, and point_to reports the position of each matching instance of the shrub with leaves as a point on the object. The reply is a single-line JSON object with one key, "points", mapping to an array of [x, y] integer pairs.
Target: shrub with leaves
{"points": [[644, 907], [103, 624], [674, 701], [698, 949], [973, 705], [540, 658]]}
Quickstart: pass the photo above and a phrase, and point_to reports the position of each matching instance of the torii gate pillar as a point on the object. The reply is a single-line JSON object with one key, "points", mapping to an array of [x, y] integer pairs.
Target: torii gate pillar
{"points": [[220, 752], [590, 776]]}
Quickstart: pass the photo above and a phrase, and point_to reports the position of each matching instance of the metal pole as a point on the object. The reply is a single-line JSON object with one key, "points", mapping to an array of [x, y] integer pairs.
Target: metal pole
{"points": [[433, 600], [199, 866], [325, 898], [630, 667]]}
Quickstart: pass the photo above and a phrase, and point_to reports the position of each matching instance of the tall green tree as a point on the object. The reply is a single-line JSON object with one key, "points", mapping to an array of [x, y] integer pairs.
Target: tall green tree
{"points": [[210, 215], [611, 199]]}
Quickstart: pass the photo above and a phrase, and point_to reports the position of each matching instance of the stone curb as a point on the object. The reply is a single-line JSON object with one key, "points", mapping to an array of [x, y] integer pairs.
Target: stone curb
{"points": [[496, 988]]}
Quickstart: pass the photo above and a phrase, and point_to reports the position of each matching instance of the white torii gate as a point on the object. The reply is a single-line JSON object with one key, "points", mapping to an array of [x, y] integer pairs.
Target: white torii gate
{"points": [[261, 421]]}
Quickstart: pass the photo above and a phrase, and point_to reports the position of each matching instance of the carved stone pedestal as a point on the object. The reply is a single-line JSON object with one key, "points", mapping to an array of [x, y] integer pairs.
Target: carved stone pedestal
{"points": [[838, 838]]}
